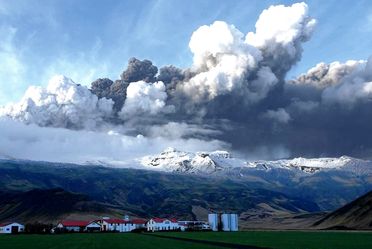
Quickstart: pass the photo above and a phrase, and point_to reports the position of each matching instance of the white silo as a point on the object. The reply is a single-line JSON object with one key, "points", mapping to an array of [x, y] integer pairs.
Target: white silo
{"points": [[234, 226], [229, 222], [213, 221], [225, 219]]}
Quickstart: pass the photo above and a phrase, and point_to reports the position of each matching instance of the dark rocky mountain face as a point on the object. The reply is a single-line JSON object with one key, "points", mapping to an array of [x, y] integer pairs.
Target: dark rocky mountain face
{"points": [[139, 192]]}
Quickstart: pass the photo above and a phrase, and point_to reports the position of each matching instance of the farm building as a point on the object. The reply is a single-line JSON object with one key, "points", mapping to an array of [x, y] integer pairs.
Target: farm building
{"points": [[11, 228], [78, 226], [121, 225], [159, 224], [93, 227], [116, 225], [194, 225]]}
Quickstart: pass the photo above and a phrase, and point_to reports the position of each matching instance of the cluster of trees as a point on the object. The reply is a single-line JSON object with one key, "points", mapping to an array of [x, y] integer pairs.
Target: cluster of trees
{"points": [[38, 228]]}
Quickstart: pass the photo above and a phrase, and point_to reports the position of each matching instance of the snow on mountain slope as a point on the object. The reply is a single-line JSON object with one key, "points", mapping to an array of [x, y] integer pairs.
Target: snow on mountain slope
{"points": [[172, 160], [311, 165], [177, 161]]}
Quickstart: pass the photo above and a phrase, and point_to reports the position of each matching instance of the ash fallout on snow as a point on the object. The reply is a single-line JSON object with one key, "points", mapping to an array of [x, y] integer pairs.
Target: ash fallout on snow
{"points": [[235, 92]]}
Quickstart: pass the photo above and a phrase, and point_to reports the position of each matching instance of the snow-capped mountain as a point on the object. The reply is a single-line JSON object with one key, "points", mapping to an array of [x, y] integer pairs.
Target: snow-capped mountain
{"points": [[178, 161], [327, 181], [173, 160]]}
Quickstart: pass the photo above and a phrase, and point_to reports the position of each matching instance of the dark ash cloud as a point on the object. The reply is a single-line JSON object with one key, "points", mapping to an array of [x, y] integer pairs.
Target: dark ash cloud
{"points": [[235, 93]]}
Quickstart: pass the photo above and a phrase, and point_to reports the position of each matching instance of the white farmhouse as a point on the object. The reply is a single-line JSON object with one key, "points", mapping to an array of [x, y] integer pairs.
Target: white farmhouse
{"points": [[115, 225], [11, 227], [159, 224], [121, 225]]}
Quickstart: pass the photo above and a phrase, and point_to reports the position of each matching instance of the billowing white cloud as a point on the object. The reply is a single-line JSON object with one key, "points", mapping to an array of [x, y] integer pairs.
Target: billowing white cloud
{"points": [[145, 98], [62, 104], [280, 30], [225, 61], [32, 142], [222, 60]]}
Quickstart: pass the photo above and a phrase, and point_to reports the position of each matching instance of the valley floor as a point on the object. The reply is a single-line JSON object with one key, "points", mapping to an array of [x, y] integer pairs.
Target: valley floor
{"points": [[194, 240]]}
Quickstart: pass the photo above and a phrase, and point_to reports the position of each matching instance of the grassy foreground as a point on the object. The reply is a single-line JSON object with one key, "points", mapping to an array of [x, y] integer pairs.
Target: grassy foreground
{"points": [[267, 239], [289, 239], [94, 241]]}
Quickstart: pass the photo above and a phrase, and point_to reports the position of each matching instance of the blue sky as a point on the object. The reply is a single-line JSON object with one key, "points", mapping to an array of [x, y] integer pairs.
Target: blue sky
{"points": [[88, 39]]}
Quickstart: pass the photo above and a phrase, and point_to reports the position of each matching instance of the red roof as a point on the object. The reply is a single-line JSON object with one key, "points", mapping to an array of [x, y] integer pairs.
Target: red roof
{"points": [[161, 220], [137, 221], [74, 223], [5, 224]]}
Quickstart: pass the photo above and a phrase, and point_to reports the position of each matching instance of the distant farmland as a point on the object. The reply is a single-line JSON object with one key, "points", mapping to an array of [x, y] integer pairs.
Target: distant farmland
{"points": [[194, 240]]}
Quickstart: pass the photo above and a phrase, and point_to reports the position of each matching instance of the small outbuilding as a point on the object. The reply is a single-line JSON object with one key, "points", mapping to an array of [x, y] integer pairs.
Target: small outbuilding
{"points": [[11, 228], [93, 227]]}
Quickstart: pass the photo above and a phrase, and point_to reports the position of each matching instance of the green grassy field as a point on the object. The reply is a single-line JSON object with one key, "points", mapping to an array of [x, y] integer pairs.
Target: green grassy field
{"points": [[267, 239], [93, 241], [289, 239]]}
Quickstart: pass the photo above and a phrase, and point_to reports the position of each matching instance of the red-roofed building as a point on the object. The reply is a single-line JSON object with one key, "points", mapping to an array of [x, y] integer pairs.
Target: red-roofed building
{"points": [[121, 225], [161, 224], [78, 225]]}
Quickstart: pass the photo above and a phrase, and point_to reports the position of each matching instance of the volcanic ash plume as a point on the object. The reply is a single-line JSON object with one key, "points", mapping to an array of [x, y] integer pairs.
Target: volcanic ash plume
{"points": [[61, 104], [235, 92]]}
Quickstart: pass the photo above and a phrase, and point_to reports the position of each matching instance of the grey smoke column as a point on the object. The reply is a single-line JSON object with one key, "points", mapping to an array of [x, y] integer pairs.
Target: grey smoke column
{"points": [[139, 70]]}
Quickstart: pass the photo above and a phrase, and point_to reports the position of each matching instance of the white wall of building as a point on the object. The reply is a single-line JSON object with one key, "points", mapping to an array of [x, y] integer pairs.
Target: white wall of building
{"points": [[119, 227], [8, 228], [93, 226], [164, 225]]}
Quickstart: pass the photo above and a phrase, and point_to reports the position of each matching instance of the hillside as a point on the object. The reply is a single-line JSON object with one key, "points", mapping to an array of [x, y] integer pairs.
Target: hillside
{"points": [[148, 193], [49, 205], [355, 215]]}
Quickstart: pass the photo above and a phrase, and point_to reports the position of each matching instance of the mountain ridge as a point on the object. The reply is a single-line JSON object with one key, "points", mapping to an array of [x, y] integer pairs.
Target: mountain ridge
{"points": [[354, 215]]}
